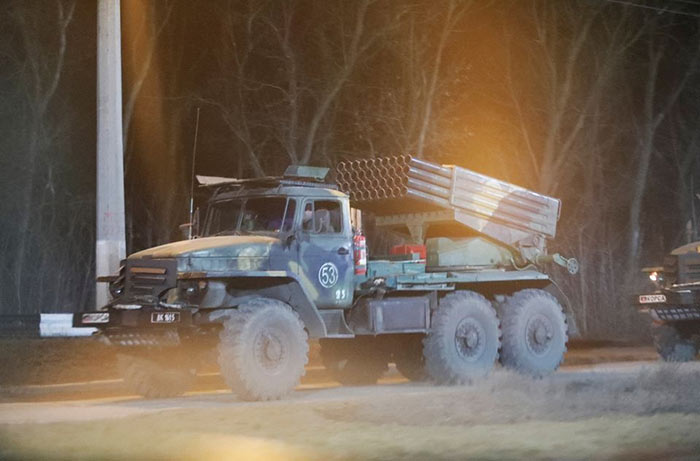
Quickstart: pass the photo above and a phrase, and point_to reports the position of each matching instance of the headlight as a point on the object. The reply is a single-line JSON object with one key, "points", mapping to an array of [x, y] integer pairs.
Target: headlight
{"points": [[656, 277], [116, 287], [192, 289], [116, 290]]}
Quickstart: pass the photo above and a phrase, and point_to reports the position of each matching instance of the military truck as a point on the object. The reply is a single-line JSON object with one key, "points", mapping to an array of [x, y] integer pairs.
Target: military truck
{"points": [[281, 260], [674, 304]]}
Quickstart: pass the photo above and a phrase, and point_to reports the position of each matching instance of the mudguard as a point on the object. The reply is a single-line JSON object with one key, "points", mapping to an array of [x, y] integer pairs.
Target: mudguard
{"points": [[230, 289], [558, 293]]}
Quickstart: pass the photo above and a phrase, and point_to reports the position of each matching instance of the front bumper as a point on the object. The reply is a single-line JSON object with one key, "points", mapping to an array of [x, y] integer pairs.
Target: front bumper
{"points": [[672, 314], [142, 327], [144, 317], [669, 306]]}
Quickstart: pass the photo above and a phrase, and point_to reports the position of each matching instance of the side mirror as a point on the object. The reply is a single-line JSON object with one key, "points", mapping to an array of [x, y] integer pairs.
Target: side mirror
{"points": [[185, 230], [287, 238], [190, 230]]}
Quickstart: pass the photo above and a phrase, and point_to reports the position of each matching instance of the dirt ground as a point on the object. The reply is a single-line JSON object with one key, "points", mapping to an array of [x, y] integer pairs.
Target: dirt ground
{"points": [[67, 360], [628, 411]]}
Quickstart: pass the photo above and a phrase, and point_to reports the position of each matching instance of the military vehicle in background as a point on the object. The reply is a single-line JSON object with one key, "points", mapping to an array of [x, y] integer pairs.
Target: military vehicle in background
{"points": [[280, 260], [674, 306]]}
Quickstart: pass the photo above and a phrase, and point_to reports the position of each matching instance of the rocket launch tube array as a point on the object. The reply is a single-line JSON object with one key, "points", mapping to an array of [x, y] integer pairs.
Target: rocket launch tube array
{"points": [[404, 184]]}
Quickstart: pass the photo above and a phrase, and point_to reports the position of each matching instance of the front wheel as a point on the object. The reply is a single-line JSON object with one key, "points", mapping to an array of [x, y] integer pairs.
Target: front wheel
{"points": [[534, 333], [263, 349], [463, 340]]}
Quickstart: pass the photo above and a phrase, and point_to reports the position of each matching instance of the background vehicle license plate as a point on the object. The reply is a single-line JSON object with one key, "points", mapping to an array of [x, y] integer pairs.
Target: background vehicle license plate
{"points": [[650, 299]]}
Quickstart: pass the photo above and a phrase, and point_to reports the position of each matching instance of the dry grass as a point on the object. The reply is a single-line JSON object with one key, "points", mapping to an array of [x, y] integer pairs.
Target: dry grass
{"points": [[506, 397], [56, 360], [647, 415]]}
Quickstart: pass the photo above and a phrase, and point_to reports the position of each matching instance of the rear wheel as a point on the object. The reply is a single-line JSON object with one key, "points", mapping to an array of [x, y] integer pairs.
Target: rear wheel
{"points": [[534, 332], [358, 361], [154, 377], [263, 349], [463, 340], [672, 345]]}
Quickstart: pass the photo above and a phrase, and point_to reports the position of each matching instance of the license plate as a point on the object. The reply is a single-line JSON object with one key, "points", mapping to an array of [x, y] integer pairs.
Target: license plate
{"points": [[96, 317], [652, 299], [165, 317]]}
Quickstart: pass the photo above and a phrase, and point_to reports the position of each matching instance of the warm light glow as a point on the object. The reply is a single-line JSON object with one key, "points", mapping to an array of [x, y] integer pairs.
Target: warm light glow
{"points": [[654, 276]]}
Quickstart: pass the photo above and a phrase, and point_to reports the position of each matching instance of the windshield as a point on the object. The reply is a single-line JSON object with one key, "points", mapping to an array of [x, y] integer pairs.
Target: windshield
{"points": [[252, 215]]}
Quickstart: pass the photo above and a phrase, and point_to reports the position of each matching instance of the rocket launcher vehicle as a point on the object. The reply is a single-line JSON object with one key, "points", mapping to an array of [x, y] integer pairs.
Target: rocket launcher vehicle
{"points": [[467, 219]]}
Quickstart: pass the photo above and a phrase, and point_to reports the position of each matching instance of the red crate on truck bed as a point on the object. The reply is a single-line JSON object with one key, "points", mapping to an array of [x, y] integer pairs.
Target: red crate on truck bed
{"points": [[409, 249]]}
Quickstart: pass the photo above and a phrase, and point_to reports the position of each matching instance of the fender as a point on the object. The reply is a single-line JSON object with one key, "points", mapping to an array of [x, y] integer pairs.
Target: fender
{"points": [[553, 289], [232, 288]]}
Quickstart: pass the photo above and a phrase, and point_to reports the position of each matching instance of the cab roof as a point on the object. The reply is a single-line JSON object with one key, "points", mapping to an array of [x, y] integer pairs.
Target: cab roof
{"points": [[281, 188], [298, 180]]}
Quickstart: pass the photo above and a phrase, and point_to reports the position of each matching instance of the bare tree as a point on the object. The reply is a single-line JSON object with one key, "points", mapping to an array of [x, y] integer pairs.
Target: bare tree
{"points": [[156, 109], [142, 28], [685, 146], [41, 73], [656, 107], [412, 96], [283, 74], [453, 13], [233, 87], [568, 118]]}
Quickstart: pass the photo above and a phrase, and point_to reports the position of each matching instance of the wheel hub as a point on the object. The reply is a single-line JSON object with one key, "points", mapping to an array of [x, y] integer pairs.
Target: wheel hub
{"points": [[539, 334], [470, 339], [273, 349], [269, 350]]}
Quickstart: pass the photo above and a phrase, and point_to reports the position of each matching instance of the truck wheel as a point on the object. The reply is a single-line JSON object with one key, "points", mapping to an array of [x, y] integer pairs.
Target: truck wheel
{"points": [[153, 379], [463, 340], [359, 361], [263, 349], [408, 357], [534, 333], [671, 345]]}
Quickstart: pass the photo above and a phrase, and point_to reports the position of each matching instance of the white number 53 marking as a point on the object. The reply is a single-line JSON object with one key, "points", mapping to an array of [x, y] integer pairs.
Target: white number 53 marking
{"points": [[328, 275]]}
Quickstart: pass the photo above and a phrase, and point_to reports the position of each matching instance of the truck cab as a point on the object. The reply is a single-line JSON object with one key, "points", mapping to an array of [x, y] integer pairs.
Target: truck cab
{"points": [[308, 230]]}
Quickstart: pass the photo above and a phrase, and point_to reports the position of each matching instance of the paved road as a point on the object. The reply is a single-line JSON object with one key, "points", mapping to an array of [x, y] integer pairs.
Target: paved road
{"points": [[71, 409]]}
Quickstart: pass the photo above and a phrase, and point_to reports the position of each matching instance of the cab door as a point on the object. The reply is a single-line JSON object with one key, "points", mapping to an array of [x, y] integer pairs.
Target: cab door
{"points": [[325, 252]]}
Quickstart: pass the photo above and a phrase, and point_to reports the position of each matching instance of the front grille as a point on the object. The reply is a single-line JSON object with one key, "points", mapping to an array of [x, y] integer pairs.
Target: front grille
{"points": [[143, 338], [149, 278], [678, 313]]}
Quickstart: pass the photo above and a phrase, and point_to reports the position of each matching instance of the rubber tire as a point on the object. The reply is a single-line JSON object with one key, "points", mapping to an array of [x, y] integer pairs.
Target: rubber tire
{"points": [[240, 366], [444, 363], [671, 345], [516, 353], [409, 360], [359, 361], [152, 379]]}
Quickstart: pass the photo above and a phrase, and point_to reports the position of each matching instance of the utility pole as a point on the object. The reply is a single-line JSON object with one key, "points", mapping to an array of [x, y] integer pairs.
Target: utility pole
{"points": [[111, 240]]}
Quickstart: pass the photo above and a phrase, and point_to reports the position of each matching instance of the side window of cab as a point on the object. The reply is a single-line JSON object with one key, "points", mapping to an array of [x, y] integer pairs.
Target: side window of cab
{"points": [[322, 217]]}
